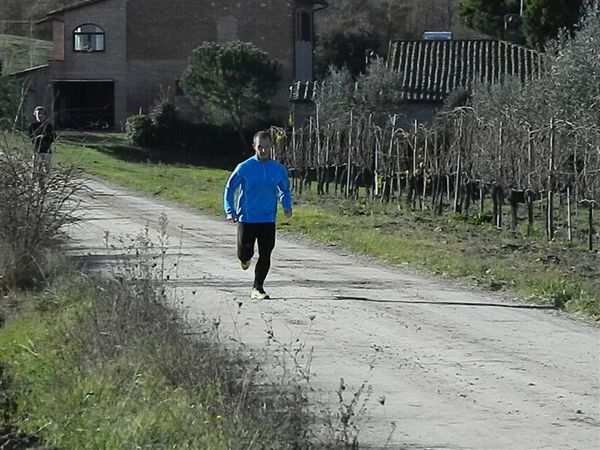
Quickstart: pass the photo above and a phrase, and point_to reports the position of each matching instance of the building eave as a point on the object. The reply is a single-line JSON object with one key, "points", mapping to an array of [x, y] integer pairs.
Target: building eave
{"points": [[28, 70]]}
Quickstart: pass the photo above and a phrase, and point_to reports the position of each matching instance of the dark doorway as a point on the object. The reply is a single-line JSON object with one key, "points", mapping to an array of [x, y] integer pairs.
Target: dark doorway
{"points": [[84, 104]]}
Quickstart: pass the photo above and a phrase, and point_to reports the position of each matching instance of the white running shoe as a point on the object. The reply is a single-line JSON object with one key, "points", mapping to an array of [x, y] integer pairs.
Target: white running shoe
{"points": [[258, 294]]}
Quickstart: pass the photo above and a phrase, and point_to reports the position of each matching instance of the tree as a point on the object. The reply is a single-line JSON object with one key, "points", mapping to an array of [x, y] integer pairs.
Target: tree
{"points": [[335, 97], [231, 83], [376, 93], [351, 28], [487, 16], [569, 90], [379, 91], [544, 19], [342, 48]]}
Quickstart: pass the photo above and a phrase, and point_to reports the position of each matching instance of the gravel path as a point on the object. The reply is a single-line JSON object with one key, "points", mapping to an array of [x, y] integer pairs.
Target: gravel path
{"points": [[454, 369]]}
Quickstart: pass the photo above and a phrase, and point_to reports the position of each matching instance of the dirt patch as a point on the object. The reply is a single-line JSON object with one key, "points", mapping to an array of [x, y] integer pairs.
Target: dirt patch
{"points": [[15, 440]]}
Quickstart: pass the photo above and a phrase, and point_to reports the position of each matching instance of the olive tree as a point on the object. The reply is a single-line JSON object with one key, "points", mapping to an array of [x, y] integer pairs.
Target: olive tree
{"points": [[569, 89], [376, 92]]}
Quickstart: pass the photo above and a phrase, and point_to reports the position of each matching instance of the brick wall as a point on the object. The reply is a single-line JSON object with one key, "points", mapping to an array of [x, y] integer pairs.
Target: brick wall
{"points": [[110, 64], [157, 58], [156, 31], [148, 43]]}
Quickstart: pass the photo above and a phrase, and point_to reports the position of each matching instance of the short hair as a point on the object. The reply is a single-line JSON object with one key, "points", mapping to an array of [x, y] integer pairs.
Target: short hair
{"points": [[263, 134]]}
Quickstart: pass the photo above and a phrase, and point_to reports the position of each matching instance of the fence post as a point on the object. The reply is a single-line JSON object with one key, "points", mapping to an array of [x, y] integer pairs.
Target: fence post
{"points": [[569, 224], [349, 158], [550, 208], [590, 204]]}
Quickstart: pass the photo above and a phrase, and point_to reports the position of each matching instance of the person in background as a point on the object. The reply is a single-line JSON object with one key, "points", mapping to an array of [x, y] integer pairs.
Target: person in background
{"points": [[258, 182], [42, 135]]}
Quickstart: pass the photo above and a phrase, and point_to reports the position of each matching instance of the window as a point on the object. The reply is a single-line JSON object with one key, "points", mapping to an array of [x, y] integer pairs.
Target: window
{"points": [[88, 38], [303, 26]]}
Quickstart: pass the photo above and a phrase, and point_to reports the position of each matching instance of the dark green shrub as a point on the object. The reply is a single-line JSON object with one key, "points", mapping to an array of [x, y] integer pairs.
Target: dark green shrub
{"points": [[165, 122], [140, 130]]}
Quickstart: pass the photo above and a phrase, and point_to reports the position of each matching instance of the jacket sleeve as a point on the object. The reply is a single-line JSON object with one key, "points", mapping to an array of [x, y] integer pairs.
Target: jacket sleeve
{"points": [[51, 133], [229, 195], [285, 195]]}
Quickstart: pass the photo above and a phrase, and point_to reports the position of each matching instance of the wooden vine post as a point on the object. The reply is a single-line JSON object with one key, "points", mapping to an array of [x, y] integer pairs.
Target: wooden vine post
{"points": [[498, 192], [569, 224], [590, 205], [319, 164], [528, 192], [347, 193], [413, 175], [550, 183], [458, 165], [295, 177], [389, 175], [424, 171]]}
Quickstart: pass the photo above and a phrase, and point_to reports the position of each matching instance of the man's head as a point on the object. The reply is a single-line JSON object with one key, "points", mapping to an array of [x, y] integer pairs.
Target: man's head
{"points": [[39, 113], [263, 145]]}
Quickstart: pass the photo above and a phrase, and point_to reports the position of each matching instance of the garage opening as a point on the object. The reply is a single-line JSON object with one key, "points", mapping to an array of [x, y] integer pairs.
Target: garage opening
{"points": [[84, 104]]}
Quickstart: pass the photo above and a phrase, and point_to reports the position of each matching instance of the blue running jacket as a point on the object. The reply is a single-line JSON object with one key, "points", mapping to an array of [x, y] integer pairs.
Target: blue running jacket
{"points": [[260, 184]]}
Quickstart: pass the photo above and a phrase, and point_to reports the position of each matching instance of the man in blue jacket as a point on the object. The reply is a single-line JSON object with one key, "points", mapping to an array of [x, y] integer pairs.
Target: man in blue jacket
{"points": [[257, 183]]}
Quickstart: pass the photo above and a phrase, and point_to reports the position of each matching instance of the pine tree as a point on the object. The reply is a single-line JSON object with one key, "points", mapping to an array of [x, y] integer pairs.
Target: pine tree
{"points": [[544, 19]]}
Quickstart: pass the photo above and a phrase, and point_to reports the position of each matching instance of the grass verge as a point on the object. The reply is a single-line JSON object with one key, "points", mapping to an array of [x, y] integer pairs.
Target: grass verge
{"points": [[553, 273], [93, 364]]}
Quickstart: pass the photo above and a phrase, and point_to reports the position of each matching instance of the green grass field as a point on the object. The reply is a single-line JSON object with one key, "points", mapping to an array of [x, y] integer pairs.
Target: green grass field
{"points": [[448, 246]]}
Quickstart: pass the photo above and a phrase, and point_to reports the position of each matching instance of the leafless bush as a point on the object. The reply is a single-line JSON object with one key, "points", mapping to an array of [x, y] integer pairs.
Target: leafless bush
{"points": [[135, 310], [35, 206], [337, 426], [352, 407]]}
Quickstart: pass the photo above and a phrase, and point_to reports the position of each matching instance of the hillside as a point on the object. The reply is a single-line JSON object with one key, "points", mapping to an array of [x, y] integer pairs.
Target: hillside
{"points": [[18, 17], [394, 20], [29, 9], [18, 53]]}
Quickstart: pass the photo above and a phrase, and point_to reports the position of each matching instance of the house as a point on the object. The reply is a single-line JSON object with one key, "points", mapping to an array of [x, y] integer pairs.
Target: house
{"points": [[430, 70], [112, 58]]}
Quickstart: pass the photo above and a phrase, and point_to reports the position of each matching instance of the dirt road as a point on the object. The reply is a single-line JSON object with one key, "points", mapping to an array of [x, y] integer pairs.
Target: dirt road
{"points": [[457, 369]]}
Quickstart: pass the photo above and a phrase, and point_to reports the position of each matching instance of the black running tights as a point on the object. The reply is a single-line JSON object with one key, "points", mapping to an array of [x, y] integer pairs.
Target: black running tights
{"points": [[264, 234]]}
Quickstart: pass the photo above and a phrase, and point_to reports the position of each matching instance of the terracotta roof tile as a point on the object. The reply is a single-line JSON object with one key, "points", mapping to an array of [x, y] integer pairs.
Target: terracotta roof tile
{"points": [[432, 69]]}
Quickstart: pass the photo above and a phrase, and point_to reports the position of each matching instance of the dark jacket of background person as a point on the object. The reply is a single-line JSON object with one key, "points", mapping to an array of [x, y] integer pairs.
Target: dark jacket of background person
{"points": [[42, 136]]}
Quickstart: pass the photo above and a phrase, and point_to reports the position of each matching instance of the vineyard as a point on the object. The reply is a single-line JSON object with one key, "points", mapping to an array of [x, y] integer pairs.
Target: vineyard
{"points": [[500, 171]]}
